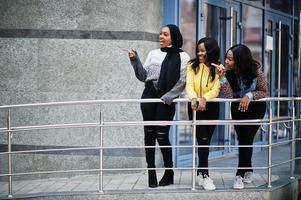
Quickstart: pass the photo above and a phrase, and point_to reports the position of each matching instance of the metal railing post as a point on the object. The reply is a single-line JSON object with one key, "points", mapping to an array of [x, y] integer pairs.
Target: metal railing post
{"points": [[279, 78], [293, 145], [229, 127], [270, 146], [9, 138], [193, 148], [100, 189]]}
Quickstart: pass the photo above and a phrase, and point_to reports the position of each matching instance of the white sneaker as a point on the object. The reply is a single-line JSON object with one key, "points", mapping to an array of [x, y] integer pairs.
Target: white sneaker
{"points": [[248, 177], [206, 182], [238, 183]]}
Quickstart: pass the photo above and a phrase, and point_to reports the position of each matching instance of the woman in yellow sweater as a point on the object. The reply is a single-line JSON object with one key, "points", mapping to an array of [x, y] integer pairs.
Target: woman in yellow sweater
{"points": [[202, 84]]}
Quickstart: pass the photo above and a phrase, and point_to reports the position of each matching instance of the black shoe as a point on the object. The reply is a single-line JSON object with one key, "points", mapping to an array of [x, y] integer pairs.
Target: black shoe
{"points": [[152, 179], [167, 178]]}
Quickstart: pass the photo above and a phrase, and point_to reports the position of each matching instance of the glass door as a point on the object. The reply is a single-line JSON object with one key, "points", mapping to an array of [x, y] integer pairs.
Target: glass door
{"points": [[220, 20], [278, 66]]}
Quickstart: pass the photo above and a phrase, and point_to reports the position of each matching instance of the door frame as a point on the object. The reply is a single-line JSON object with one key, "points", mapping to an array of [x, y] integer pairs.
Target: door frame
{"points": [[276, 18]]}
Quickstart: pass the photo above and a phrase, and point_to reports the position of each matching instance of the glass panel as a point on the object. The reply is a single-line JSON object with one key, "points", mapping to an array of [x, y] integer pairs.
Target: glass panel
{"points": [[268, 62], [269, 28], [297, 81], [215, 21], [252, 30], [252, 36], [284, 68], [297, 5], [256, 2], [284, 60], [282, 106], [284, 6], [269, 49], [296, 60], [276, 67], [214, 17], [188, 25], [188, 30], [234, 31], [184, 134]]}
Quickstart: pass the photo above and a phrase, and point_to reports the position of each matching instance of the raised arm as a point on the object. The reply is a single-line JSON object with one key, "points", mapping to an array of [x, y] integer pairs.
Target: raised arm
{"points": [[140, 72]]}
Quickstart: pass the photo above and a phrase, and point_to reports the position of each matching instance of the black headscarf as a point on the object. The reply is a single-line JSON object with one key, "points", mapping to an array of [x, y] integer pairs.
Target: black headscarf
{"points": [[171, 65]]}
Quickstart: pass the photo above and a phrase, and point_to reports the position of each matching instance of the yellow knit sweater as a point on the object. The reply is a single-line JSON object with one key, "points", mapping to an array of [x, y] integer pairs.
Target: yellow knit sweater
{"points": [[208, 89]]}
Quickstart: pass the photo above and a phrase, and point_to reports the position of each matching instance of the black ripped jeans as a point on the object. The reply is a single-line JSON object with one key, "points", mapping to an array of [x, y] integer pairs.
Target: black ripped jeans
{"points": [[246, 133], [204, 132], [156, 112]]}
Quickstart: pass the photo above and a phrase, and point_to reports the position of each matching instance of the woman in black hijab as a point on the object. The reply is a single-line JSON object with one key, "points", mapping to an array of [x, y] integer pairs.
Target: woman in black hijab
{"points": [[164, 75]]}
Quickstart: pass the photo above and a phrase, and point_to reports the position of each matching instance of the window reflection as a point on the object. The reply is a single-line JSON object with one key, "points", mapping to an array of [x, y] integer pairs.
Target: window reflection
{"points": [[297, 5], [215, 21], [234, 28], [215, 24], [284, 6], [296, 60], [252, 30], [284, 60], [188, 25], [268, 60], [188, 30], [252, 36], [256, 2]]}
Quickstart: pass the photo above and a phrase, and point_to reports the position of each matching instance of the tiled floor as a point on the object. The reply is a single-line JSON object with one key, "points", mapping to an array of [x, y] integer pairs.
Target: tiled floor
{"points": [[121, 182], [136, 182]]}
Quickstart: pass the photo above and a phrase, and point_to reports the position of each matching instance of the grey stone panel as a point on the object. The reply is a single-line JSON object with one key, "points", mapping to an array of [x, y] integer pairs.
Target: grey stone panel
{"points": [[122, 15], [73, 69], [24, 163], [40, 70], [18, 62]]}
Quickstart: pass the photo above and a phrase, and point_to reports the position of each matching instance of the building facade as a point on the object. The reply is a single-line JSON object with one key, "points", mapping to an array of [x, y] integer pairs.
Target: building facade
{"points": [[70, 50], [271, 29]]}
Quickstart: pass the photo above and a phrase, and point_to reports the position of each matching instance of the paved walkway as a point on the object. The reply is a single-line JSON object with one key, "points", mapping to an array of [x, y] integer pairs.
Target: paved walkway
{"points": [[122, 182], [137, 182]]}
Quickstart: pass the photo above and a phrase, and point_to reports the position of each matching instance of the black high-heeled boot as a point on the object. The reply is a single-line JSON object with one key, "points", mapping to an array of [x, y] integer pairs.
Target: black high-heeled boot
{"points": [[167, 178], [152, 179]]}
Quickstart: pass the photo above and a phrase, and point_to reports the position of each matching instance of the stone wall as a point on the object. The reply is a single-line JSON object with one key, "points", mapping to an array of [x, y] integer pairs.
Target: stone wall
{"points": [[70, 50]]}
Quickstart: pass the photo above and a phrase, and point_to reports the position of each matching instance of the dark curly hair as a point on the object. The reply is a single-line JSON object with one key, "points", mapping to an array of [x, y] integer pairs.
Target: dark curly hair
{"points": [[245, 67], [212, 55]]}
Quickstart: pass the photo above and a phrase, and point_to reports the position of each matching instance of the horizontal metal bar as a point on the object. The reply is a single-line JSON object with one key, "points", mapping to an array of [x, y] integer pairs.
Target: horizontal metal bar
{"points": [[127, 147], [65, 103], [52, 126], [138, 169], [142, 123], [282, 163], [143, 147], [124, 169], [282, 142]]}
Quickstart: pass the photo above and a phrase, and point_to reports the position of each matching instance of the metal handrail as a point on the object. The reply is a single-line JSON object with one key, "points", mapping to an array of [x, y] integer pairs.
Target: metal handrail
{"points": [[141, 146], [10, 130], [89, 102]]}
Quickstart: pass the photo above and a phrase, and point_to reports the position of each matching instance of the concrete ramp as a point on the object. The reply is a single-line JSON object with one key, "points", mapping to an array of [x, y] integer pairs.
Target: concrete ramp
{"points": [[134, 186]]}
